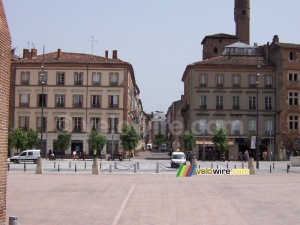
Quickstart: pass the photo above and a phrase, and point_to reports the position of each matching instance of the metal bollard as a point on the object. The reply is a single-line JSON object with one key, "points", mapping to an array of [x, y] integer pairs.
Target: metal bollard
{"points": [[54, 165], [84, 165], [134, 166], [273, 166], [58, 168], [288, 168], [234, 166], [100, 165], [116, 167], [138, 165], [217, 166], [110, 168], [157, 167], [8, 166], [211, 165], [13, 220], [242, 165], [199, 167], [270, 168], [24, 167], [227, 165], [69, 165], [75, 168]]}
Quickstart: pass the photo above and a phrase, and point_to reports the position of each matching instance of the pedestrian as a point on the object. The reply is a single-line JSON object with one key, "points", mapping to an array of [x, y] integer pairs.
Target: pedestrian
{"points": [[265, 154], [246, 155], [95, 153], [83, 155], [50, 152], [74, 155]]}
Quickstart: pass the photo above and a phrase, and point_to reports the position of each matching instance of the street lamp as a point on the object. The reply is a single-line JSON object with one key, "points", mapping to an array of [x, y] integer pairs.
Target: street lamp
{"points": [[257, 147], [203, 146], [42, 116], [112, 144]]}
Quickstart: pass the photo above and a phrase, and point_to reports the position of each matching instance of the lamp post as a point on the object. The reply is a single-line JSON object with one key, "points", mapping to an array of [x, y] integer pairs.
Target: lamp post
{"points": [[270, 145], [112, 144], [42, 114], [203, 146], [257, 147]]}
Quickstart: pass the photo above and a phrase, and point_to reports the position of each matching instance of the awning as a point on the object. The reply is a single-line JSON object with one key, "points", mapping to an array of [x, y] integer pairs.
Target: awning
{"points": [[199, 142]]}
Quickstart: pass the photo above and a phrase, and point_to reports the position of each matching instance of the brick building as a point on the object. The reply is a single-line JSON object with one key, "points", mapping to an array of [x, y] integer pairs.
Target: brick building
{"points": [[5, 43]]}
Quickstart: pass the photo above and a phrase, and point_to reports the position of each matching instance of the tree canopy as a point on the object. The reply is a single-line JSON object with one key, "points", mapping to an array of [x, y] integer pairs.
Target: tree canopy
{"points": [[32, 138], [64, 140], [129, 138], [159, 138], [96, 140], [189, 141], [220, 139]]}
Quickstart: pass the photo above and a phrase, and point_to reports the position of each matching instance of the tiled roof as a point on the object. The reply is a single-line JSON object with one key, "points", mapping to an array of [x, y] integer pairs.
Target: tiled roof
{"points": [[76, 58], [288, 45], [235, 60], [220, 35]]}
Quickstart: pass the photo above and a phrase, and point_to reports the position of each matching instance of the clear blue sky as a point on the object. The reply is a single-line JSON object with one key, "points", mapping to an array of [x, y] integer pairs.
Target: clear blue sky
{"points": [[159, 38]]}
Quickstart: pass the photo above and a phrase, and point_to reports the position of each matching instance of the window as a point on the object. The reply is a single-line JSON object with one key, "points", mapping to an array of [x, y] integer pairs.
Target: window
{"points": [[268, 81], [60, 101], [252, 81], [78, 79], [25, 78], [95, 101], [24, 100], [252, 125], [293, 122], [42, 100], [219, 79], [113, 101], [95, 123], [268, 103], [252, 103], [219, 102], [268, 126], [77, 124], [202, 125], [236, 80], [24, 123], [96, 79], [113, 124], [60, 80], [293, 56], [113, 79], [43, 77], [235, 127], [60, 123], [77, 100], [219, 123], [215, 50], [39, 124], [203, 79], [293, 77], [236, 102], [293, 98], [203, 102]]}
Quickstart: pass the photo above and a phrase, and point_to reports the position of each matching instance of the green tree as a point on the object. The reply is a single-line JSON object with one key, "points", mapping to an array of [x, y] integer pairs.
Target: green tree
{"points": [[11, 139], [129, 138], [220, 139], [159, 138], [64, 140], [32, 138], [96, 140], [19, 139], [189, 141]]}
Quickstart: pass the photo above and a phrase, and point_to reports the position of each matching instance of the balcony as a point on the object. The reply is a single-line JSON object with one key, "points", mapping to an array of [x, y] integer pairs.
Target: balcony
{"points": [[24, 104], [237, 132], [96, 105], [24, 128], [252, 85], [113, 106], [60, 83], [42, 104], [236, 107], [236, 85], [113, 83], [60, 104], [268, 86], [268, 107], [78, 105], [203, 85], [203, 106], [40, 129], [218, 107], [96, 128], [220, 85], [252, 107], [78, 82], [59, 128], [77, 129], [25, 82], [96, 83]]}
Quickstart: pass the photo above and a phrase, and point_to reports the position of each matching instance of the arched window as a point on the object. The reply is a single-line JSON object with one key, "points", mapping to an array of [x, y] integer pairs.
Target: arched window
{"points": [[215, 50]]}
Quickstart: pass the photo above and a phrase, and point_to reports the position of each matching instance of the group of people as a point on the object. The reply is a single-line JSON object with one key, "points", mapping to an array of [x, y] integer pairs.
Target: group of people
{"points": [[245, 156], [81, 155]]}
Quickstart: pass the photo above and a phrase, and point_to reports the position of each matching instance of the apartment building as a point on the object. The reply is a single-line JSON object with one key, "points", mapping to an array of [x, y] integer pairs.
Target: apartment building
{"points": [[74, 92], [230, 91]]}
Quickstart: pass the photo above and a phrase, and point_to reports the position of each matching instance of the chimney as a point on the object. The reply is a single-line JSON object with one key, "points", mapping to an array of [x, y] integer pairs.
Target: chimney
{"points": [[25, 53], [33, 52], [115, 54], [59, 53], [275, 39], [106, 54]]}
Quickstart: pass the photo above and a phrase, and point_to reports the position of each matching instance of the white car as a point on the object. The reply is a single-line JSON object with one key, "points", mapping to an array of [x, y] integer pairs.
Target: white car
{"points": [[177, 158], [27, 155]]}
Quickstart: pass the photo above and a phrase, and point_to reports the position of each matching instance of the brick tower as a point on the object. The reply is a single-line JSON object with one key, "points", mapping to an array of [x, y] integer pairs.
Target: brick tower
{"points": [[242, 20], [5, 43]]}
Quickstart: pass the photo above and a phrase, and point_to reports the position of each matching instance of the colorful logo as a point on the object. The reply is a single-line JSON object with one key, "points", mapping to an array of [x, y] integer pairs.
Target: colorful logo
{"points": [[186, 171]]}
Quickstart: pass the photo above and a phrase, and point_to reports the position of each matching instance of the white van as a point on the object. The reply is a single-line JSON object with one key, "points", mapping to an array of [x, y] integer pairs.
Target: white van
{"points": [[177, 158], [27, 155]]}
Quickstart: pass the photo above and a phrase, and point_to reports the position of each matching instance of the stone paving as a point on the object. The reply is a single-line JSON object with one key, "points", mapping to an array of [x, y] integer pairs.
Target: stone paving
{"points": [[80, 198]]}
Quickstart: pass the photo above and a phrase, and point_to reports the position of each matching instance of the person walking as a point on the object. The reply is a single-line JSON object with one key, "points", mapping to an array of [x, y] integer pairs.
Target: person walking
{"points": [[246, 155], [74, 155], [95, 153]]}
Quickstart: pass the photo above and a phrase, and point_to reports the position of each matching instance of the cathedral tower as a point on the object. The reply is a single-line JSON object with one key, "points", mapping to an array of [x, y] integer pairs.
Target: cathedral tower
{"points": [[242, 20]]}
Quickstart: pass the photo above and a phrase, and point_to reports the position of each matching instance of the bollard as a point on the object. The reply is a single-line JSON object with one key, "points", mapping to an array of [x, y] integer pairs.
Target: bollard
{"points": [[75, 168], [8, 165], [84, 165], [100, 166], [288, 168], [58, 168], [13, 220], [157, 167], [227, 165], [134, 166], [270, 169], [234, 166], [69, 165], [54, 165], [273, 166], [116, 165], [217, 166], [110, 168], [242, 165], [199, 167], [138, 165], [24, 167], [211, 165]]}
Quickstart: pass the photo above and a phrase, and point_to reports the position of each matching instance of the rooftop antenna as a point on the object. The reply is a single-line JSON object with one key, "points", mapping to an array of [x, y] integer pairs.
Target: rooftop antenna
{"points": [[29, 43], [93, 40]]}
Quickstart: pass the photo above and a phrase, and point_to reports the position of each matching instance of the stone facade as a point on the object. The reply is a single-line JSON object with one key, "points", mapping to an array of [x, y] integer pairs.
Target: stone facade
{"points": [[5, 42]]}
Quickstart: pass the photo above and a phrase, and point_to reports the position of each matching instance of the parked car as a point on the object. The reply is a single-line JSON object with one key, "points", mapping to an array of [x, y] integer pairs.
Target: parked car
{"points": [[26, 156], [177, 158], [164, 147]]}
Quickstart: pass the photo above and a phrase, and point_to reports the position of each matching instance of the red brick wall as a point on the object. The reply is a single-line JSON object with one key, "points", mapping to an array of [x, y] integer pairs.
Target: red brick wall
{"points": [[5, 43]]}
